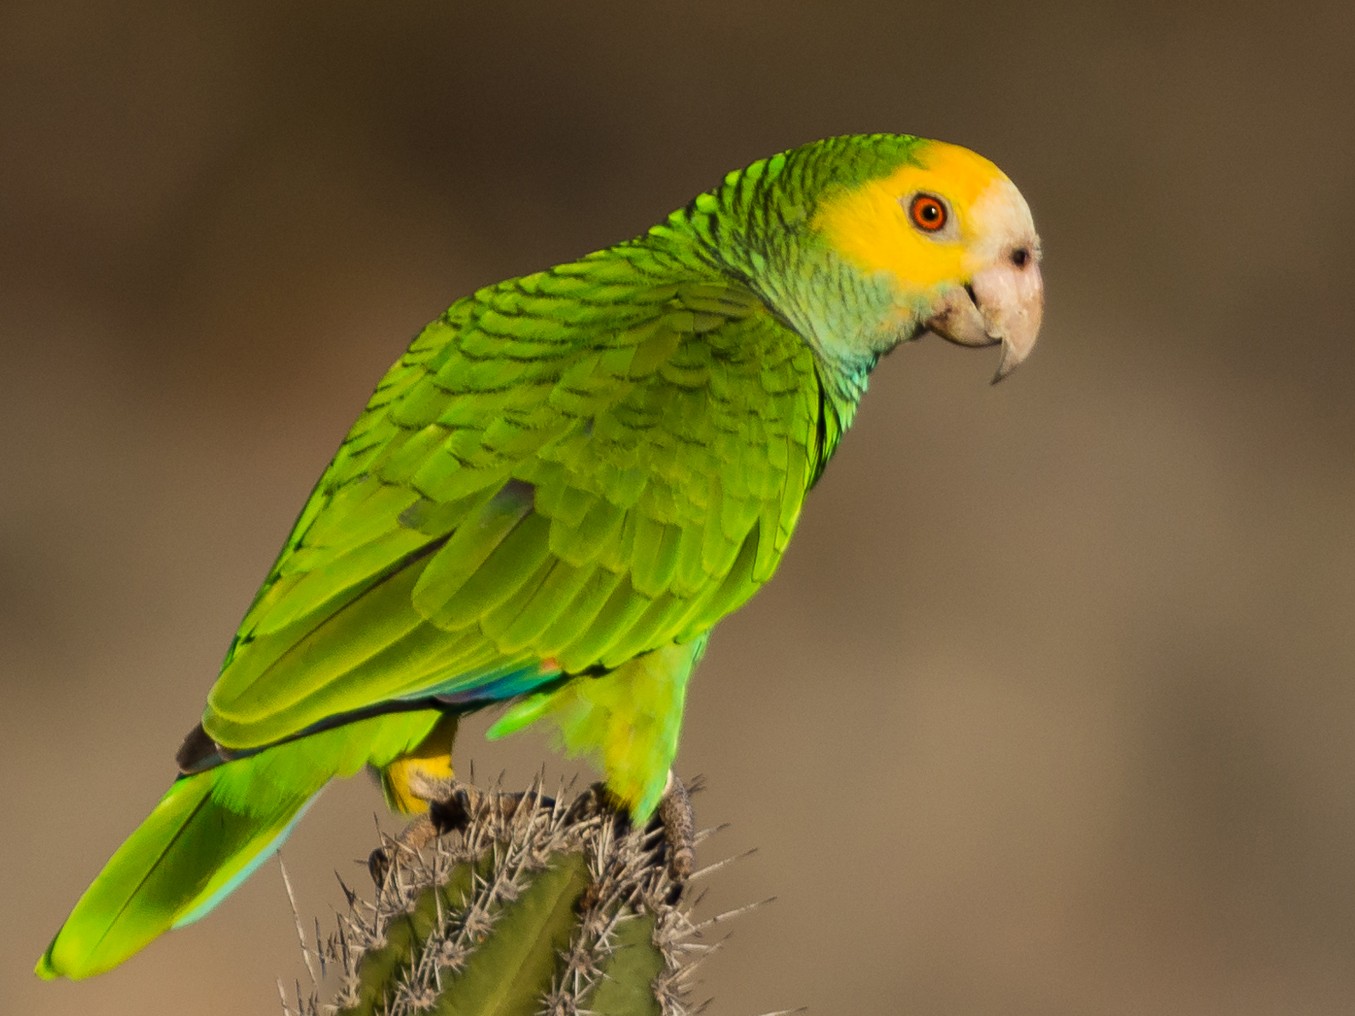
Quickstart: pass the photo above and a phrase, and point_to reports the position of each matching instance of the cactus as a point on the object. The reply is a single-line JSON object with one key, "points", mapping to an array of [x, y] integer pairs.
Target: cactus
{"points": [[533, 906]]}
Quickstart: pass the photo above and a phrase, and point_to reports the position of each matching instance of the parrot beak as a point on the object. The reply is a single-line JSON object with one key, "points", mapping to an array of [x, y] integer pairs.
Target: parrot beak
{"points": [[1002, 303]]}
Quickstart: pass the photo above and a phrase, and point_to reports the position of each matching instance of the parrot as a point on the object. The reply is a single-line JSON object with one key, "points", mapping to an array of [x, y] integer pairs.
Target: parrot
{"points": [[555, 494]]}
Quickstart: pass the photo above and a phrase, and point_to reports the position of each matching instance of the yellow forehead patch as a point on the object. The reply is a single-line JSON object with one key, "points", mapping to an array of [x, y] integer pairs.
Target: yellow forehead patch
{"points": [[869, 225]]}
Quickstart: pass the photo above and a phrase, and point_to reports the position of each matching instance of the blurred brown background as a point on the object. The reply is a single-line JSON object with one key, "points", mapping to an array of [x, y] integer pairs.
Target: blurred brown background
{"points": [[1050, 708]]}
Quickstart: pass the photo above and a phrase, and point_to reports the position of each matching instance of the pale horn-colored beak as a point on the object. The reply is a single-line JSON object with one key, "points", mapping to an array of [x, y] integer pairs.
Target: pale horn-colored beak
{"points": [[1003, 303]]}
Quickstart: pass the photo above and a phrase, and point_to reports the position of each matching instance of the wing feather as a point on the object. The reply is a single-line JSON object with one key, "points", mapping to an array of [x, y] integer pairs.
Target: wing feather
{"points": [[563, 471]]}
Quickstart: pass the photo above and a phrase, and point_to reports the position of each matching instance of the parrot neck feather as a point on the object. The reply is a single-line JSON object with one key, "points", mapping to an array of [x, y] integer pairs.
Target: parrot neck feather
{"points": [[759, 227]]}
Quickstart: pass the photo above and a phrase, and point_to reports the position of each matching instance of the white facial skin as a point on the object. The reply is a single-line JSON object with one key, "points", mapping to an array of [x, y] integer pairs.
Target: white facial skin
{"points": [[1004, 301]]}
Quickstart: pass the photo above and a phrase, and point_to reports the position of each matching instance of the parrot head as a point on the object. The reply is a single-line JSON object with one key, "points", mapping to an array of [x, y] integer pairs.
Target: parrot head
{"points": [[952, 244]]}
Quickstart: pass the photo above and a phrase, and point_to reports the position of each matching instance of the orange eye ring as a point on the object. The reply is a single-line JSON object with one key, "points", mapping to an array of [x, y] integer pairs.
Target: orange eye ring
{"points": [[928, 213]]}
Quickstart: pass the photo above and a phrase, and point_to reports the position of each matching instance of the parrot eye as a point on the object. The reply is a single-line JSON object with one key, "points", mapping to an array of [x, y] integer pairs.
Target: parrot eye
{"points": [[928, 213]]}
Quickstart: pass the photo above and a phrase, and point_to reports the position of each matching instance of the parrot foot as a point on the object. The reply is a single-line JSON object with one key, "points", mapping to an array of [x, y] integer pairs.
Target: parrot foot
{"points": [[455, 810], [413, 838], [679, 828], [674, 817], [452, 806]]}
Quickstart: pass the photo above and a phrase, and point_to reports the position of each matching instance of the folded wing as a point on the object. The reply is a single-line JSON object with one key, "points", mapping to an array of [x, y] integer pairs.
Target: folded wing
{"points": [[563, 471]]}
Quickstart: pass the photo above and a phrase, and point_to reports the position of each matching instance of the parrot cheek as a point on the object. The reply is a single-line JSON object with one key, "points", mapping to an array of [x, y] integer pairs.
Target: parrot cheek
{"points": [[957, 319]]}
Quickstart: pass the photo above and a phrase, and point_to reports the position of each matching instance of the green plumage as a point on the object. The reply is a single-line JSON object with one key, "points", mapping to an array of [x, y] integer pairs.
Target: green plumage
{"points": [[552, 497], [207, 834]]}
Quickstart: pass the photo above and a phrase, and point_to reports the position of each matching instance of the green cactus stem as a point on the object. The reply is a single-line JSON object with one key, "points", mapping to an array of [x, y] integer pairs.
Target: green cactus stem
{"points": [[534, 906]]}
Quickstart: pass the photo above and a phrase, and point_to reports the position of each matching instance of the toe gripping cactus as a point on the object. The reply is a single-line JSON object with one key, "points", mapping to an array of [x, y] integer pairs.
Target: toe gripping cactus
{"points": [[533, 906]]}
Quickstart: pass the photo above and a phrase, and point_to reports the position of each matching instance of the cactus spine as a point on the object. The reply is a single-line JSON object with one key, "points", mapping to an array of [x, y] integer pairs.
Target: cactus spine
{"points": [[534, 907]]}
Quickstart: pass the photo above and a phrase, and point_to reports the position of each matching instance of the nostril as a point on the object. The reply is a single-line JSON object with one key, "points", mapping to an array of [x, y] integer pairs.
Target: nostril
{"points": [[1020, 256]]}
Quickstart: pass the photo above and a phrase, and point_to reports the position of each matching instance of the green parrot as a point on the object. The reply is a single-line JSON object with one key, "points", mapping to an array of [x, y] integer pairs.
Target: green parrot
{"points": [[555, 494]]}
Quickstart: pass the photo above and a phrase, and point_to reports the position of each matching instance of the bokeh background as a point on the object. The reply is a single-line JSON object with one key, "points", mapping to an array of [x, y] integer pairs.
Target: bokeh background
{"points": [[1050, 708]]}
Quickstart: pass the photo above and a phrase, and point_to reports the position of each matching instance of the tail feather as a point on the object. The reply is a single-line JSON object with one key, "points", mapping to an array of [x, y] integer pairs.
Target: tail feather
{"points": [[230, 876], [188, 854], [212, 829]]}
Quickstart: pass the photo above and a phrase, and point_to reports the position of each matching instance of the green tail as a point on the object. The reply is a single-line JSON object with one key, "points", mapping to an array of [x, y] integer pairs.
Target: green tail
{"points": [[205, 837], [178, 864]]}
